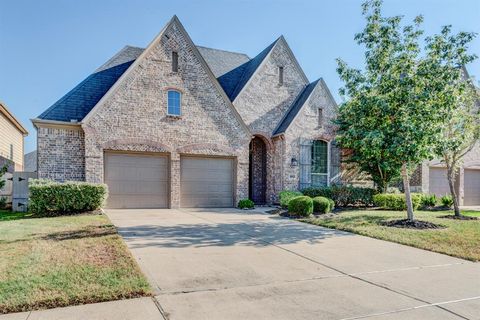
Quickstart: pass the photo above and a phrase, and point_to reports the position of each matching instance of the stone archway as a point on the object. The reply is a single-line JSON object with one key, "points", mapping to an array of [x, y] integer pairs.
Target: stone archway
{"points": [[258, 171]]}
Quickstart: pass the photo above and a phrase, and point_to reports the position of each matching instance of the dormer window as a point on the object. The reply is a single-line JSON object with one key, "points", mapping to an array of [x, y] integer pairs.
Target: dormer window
{"points": [[174, 103], [174, 61], [280, 76]]}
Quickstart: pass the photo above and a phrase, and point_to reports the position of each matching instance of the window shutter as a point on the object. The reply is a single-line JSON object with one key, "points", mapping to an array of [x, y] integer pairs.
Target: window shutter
{"points": [[335, 162], [305, 163]]}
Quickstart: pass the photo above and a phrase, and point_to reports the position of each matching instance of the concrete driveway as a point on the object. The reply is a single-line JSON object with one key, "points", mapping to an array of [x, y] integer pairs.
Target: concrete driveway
{"points": [[232, 264]]}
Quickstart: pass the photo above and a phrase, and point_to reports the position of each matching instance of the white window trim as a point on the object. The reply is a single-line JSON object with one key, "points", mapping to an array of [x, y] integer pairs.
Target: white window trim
{"points": [[180, 103]]}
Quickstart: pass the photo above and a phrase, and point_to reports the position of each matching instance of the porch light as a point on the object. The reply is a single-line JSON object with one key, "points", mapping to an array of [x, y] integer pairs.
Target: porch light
{"points": [[294, 162]]}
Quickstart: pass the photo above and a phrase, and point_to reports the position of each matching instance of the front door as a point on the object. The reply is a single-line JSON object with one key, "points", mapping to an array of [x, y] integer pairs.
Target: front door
{"points": [[258, 171]]}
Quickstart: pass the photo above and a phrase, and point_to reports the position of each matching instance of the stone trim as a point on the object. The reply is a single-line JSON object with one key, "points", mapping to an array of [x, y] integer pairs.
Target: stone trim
{"points": [[205, 149], [135, 143]]}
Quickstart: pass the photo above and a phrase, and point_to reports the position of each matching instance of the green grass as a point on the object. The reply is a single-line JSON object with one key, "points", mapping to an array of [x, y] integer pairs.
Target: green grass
{"points": [[459, 238], [61, 261]]}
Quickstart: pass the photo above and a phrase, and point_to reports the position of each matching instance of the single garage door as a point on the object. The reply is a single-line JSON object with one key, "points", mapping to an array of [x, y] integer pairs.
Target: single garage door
{"points": [[472, 187], [206, 182], [438, 182], [136, 181]]}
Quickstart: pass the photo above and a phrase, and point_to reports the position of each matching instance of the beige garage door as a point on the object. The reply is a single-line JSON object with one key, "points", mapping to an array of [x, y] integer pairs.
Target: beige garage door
{"points": [[136, 181], [438, 182], [472, 187], [206, 182]]}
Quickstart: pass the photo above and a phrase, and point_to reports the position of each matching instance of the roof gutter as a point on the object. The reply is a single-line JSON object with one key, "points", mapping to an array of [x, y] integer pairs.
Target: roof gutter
{"points": [[39, 122]]}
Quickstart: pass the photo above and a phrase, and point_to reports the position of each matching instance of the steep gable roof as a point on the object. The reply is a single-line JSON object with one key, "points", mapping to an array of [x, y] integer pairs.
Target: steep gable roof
{"points": [[298, 104], [295, 108], [78, 102], [173, 22], [234, 81]]}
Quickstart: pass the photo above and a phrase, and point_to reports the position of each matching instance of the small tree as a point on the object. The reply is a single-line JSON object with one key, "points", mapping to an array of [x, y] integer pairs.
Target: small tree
{"points": [[447, 55], [388, 115], [3, 170]]}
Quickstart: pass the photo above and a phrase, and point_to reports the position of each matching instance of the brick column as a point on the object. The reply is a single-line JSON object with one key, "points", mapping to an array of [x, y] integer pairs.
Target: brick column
{"points": [[174, 180]]}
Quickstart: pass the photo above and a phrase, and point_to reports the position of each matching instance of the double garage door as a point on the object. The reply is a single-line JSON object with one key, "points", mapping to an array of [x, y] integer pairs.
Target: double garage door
{"points": [[143, 181], [471, 191]]}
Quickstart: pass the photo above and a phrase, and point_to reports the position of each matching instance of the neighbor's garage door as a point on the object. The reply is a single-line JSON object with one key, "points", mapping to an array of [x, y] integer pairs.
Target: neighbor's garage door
{"points": [[438, 182], [206, 182], [472, 187], [136, 181]]}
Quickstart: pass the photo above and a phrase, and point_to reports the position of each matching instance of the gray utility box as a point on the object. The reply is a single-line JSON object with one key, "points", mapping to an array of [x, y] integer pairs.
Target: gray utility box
{"points": [[20, 190]]}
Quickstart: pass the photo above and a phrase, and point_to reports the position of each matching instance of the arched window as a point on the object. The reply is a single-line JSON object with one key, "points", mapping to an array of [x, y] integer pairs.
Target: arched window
{"points": [[319, 168], [174, 103]]}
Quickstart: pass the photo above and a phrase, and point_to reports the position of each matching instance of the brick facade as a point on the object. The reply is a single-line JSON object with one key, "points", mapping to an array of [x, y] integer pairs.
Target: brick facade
{"points": [[132, 117], [61, 153], [137, 111], [305, 129]]}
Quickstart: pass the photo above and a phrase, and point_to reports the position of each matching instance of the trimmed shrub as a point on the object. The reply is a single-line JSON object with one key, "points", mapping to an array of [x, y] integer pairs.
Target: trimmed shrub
{"points": [[429, 200], [332, 204], [322, 205], [3, 202], [301, 205], [343, 195], [286, 195], [447, 201], [393, 201], [49, 198], [246, 204]]}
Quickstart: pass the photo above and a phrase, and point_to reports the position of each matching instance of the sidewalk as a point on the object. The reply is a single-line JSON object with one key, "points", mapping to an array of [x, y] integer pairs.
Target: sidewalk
{"points": [[133, 309]]}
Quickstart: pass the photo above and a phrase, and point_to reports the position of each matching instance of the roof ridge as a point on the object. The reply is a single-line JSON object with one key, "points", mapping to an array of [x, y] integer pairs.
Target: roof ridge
{"points": [[228, 51]]}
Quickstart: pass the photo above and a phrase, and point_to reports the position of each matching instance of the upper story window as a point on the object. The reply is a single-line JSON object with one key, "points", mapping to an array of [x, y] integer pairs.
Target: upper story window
{"points": [[280, 75], [174, 61], [174, 103], [11, 152]]}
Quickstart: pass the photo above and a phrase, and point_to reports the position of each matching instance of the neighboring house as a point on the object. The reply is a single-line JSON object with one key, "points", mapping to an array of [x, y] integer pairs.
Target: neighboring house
{"points": [[11, 146], [11, 139], [30, 161], [178, 125], [431, 176]]}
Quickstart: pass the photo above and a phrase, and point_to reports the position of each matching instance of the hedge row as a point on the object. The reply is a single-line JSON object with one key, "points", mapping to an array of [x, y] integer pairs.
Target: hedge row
{"points": [[393, 201], [343, 195], [50, 198]]}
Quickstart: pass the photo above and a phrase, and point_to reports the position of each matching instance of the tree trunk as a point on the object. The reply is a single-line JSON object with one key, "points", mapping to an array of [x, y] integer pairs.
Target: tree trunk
{"points": [[451, 183], [408, 196]]}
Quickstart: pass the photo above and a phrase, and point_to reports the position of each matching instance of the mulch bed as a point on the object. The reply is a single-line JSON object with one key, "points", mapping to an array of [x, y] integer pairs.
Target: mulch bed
{"points": [[415, 224], [458, 217]]}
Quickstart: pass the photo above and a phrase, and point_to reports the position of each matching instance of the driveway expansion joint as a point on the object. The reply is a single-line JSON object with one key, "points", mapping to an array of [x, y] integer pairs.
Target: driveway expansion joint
{"points": [[335, 269]]}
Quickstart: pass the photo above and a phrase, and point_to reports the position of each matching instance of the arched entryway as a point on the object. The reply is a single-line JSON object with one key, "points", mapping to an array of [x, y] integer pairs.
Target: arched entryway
{"points": [[258, 171]]}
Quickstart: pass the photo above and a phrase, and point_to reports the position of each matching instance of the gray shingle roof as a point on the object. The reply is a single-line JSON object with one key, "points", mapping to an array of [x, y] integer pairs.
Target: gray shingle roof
{"points": [[77, 103], [221, 61], [295, 108]]}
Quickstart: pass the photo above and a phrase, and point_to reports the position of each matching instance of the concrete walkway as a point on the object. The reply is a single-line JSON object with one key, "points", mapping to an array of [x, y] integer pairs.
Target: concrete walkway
{"points": [[232, 264]]}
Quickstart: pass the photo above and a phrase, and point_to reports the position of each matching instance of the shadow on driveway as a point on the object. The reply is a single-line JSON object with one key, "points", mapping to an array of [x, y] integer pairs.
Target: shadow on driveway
{"points": [[254, 233]]}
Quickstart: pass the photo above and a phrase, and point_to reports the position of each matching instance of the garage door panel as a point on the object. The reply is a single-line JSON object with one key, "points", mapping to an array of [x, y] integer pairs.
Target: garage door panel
{"points": [[472, 187], [136, 181], [206, 182]]}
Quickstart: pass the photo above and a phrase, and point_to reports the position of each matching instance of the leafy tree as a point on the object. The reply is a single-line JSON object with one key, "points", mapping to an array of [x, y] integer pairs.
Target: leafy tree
{"points": [[388, 116], [457, 97]]}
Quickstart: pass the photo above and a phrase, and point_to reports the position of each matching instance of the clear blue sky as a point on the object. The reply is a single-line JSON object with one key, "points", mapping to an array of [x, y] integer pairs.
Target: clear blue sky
{"points": [[49, 46]]}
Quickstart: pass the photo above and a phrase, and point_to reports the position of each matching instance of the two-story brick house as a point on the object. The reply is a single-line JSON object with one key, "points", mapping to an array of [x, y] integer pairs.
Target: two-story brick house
{"points": [[179, 125]]}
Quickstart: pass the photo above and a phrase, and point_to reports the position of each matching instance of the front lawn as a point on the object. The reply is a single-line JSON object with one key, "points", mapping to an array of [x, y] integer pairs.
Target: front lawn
{"points": [[459, 238], [60, 261]]}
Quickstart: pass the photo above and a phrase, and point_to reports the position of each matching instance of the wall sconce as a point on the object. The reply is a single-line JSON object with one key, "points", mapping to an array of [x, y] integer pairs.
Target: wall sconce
{"points": [[294, 162]]}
